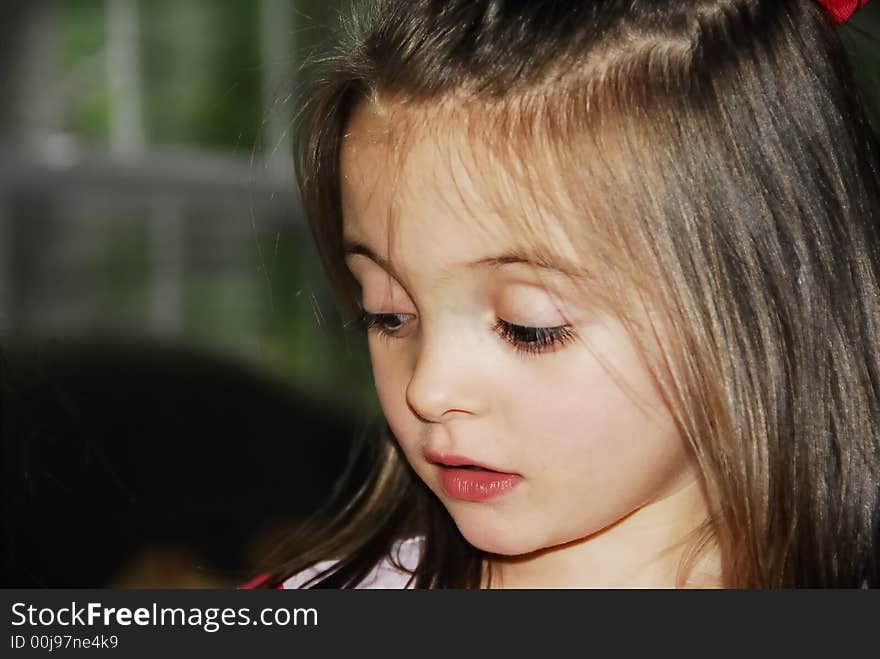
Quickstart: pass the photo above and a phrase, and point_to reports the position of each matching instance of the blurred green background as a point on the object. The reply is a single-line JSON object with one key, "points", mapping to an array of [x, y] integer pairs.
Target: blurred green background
{"points": [[163, 127]]}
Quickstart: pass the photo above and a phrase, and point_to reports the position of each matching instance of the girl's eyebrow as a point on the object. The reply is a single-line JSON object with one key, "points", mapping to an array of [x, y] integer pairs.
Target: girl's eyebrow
{"points": [[510, 257]]}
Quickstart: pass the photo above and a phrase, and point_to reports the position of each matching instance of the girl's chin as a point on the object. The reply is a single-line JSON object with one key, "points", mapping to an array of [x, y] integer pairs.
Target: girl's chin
{"points": [[503, 542]]}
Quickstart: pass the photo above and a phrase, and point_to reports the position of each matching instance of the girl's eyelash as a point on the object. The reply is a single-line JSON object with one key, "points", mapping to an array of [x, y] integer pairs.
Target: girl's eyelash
{"points": [[525, 340], [378, 322], [533, 340]]}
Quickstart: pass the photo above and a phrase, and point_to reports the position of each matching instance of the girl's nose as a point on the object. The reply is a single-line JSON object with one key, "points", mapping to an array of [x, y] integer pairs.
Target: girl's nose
{"points": [[445, 383]]}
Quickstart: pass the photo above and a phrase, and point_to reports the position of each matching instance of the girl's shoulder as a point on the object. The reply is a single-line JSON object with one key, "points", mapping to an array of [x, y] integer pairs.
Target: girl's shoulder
{"points": [[385, 575]]}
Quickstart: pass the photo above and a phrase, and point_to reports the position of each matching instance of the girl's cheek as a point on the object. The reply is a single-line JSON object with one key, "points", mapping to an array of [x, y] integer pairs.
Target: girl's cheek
{"points": [[390, 377], [384, 377], [574, 430], [583, 412]]}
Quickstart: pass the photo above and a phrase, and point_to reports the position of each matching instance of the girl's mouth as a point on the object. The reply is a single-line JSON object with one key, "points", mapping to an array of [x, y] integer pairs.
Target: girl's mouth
{"points": [[473, 483], [469, 480]]}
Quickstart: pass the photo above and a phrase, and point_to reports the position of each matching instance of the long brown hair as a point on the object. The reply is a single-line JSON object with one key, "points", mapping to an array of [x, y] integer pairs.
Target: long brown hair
{"points": [[733, 186]]}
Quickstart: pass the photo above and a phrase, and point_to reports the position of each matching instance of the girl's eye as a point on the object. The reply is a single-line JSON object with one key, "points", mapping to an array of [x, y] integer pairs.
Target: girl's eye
{"points": [[387, 325], [525, 340], [534, 340]]}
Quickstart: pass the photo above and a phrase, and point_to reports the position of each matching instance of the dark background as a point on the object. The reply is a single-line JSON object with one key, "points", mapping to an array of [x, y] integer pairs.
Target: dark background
{"points": [[177, 388]]}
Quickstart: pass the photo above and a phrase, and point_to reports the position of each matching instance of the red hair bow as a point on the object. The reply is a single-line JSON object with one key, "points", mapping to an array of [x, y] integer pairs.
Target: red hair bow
{"points": [[842, 10]]}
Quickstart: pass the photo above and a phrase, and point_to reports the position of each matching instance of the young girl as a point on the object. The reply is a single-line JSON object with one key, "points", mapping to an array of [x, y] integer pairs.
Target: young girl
{"points": [[618, 265]]}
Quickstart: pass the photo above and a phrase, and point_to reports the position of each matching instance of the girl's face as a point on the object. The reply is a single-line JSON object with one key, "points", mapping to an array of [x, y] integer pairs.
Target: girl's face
{"points": [[569, 418]]}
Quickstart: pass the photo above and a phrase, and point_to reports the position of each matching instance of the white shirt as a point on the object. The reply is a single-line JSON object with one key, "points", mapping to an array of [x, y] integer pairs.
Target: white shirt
{"points": [[385, 575]]}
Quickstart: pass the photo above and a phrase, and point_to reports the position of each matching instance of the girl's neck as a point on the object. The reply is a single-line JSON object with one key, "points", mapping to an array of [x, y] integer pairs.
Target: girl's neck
{"points": [[643, 550]]}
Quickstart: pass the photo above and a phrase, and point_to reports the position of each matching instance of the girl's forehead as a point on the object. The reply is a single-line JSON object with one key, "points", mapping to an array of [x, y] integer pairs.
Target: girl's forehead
{"points": [[415, 172]]}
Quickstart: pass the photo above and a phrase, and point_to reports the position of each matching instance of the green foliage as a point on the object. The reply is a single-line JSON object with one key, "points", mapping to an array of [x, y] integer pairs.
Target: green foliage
{"points": [[119, 269], [201, 67], [82, 40]]}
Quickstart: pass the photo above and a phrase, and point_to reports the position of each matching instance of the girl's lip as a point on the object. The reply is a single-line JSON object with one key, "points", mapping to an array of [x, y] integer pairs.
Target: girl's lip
{"points": [[449, 460], [476, 485]]}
